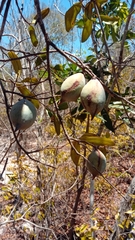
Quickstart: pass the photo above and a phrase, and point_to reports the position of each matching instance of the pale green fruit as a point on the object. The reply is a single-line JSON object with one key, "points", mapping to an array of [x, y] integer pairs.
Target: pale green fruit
{"points": [[93, 97], [96, 160], [23, 114], [71, 87]]}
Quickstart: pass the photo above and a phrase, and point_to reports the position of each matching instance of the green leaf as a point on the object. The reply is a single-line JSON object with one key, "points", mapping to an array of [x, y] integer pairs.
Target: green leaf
{"points": [[38, 61], [63, 106], [71, 15], [33, 36], [59, 67], [114, 33], [80, 23], [74, 155], [41, 57], [78, 113], [44, 13], [86, 30], [55, 120], [107, 32], [108, 121], [95, 140], [130, 35]]}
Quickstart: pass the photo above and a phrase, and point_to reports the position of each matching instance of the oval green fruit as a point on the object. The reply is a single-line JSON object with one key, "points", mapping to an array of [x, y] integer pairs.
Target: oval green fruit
{"points": [[93, 97], [96, 163], [23, 114], [71, 87]]}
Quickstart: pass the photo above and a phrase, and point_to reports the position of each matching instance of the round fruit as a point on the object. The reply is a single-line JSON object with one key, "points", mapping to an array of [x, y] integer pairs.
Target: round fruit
{"points": [[23, 114], [96, 163], [71, 87], [93, 97]]}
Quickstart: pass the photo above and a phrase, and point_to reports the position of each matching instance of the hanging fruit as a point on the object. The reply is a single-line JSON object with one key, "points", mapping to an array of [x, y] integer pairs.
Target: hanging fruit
{"points": [[71, 87], [96, 163], [93, 97], [23, 114]]}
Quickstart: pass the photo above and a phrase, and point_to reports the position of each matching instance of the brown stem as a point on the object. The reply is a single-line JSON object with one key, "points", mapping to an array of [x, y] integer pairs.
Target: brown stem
{"points": [[79, 191]]}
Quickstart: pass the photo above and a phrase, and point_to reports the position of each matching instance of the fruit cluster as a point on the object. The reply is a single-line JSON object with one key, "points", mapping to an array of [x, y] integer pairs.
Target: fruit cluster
{"points": [[93, 97], [92, 94]]}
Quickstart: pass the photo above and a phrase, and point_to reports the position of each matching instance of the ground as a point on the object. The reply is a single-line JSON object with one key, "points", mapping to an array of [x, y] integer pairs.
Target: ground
{"points": [[108, 194]]}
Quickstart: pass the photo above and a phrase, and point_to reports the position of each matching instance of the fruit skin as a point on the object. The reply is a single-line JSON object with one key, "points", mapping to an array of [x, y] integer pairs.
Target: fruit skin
{"points": [[71, 87], [96, 160], [23, 114], [93, 97]]}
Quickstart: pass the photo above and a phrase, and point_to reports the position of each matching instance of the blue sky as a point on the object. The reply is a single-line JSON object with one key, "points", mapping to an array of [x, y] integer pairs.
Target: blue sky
{"points": [[63, 6]]}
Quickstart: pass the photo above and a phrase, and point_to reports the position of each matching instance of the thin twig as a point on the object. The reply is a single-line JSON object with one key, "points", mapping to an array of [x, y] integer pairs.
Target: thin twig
{"points": [[4, 17]]}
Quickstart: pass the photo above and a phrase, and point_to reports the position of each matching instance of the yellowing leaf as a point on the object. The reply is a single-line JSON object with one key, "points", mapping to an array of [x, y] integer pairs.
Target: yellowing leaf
{"points": [[102, 1], [44, 13], [88, 9], [15, 63], [107, 18], [30, 80], [27, 93], [41, 57], [86, 30], [56, 124], [95, 140], [74, 155], [71, 15], [33, 36]]}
